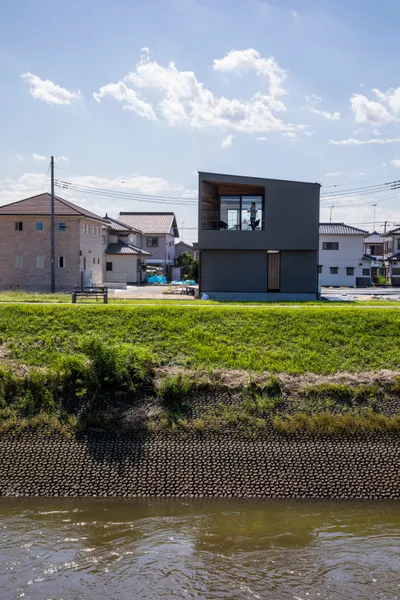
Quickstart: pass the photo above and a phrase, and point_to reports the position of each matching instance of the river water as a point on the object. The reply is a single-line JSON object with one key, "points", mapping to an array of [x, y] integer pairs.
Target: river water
{"points": [[63, 549]]}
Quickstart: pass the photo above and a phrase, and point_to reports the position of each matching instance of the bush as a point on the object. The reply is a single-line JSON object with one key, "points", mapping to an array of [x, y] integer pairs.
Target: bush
{"points": [[174, 394]]}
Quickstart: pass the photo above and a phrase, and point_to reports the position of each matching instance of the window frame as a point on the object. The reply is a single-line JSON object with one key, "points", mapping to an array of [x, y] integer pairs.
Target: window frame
{"points": [[37, 262], [61, 226], [364, 274], [108, 268], [18, 225], [19, 265], [319, 269], [241, 196], [352, 269], [59, 260], [152, 238], [326, 244], [334, 270], [37, 226]]}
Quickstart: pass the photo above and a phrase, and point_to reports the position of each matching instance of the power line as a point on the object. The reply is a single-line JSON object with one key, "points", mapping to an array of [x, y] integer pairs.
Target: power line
{"points": [[370, 189], [45, 179]]}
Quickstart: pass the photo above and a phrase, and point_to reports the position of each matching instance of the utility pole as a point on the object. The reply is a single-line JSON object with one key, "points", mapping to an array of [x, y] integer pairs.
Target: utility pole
{"points": [[53, 260], [374, 205], [384, 226], [331, 212], [183, 222]]}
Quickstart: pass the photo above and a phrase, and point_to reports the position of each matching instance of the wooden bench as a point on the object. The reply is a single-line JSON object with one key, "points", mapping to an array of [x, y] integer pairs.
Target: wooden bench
{"points": [[90, 292]]}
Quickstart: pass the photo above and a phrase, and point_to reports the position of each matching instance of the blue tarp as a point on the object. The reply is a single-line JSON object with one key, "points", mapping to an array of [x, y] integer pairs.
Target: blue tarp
{"points": [[157, 279]]}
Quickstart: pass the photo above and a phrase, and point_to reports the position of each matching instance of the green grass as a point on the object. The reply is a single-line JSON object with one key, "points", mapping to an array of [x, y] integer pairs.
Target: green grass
{"points": [[255, 339]]}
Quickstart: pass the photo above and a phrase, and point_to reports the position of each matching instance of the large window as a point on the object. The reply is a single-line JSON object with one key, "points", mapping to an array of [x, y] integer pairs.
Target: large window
{"points": [[330, 245], [241, 213]]}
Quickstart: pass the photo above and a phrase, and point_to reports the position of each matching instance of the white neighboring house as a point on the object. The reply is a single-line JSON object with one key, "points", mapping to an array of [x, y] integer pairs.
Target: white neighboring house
{"points": [[392, 255], [374, 245], [342, 262], [158, 233], [124, 259]]}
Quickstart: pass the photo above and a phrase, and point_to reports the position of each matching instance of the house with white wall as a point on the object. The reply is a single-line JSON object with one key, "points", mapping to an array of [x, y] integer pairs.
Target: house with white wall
{"points": [[342, 262], [124, 260], [158, 233], [374, 246], [392, 255]]}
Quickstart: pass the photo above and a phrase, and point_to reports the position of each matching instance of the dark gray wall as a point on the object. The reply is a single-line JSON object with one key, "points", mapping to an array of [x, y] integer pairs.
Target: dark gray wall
{"points": [[299, 272], [246, 271], [233, 271], [291, 217]]}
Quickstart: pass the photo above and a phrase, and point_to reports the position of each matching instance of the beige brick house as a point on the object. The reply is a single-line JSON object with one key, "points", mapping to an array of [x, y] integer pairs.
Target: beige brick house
{"points": [[25, 245]]}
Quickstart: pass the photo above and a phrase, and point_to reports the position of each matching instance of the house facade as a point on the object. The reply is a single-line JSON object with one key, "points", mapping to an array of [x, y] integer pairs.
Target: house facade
{"points": [[374, 247], [125, 261], [392, 256], [25, 245], [258, 238], [342, 262], [158, 234]]}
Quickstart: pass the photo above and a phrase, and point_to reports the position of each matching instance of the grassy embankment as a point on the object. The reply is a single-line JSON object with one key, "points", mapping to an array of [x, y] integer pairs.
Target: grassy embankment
{"points": [[162, 368]]}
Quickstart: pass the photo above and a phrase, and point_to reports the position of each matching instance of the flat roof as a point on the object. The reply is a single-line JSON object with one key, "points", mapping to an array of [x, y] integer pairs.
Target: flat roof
{"points": [[258, 178]]}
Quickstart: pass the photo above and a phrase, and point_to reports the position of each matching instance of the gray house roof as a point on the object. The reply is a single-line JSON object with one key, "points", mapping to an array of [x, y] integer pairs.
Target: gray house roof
{"points": [[121, 248], [151, 222], [339, 229], [40, 205], [374, 238], [393, 232], [116, 225]]}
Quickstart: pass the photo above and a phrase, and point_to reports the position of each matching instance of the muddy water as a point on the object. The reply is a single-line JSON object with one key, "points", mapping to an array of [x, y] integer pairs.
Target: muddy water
{"points": [[92, 549]]}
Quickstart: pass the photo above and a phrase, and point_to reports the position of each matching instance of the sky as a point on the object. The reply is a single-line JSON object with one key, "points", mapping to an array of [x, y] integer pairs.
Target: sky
{"points": [[137, 97]]}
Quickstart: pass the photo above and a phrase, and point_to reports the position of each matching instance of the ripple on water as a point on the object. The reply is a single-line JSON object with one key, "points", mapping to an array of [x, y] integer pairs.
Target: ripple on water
{"points": [[212, 550]]}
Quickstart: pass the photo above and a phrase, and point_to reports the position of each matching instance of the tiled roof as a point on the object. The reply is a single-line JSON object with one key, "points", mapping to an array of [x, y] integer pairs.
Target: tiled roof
{"points": [[394, 231], [374, 238], [183, 245], [152, 222], [339, 229], [121, 248], [41, 205], [119, 226]]}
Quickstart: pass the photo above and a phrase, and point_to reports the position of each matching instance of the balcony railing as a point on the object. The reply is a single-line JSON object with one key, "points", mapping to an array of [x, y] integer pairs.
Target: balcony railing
{"points": [[212, 220]]}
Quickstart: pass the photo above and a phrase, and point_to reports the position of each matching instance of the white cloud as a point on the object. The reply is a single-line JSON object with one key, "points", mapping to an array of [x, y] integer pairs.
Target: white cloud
{"points": [[385, 109], [183, 100], [313, 102], [39, 157], [19, 157], [128, 98], [49, 92], [334, 174], [289, 134], [261, 139], [294, 14], [227, 142], [62, 158], [356, 142], [376, 132], [359, 174], [395, 162], [251, 60], [30, 184], [326, 114]]}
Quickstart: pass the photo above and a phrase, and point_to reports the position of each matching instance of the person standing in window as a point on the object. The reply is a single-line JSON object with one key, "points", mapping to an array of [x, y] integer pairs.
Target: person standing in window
{"points": [[253, 215]]}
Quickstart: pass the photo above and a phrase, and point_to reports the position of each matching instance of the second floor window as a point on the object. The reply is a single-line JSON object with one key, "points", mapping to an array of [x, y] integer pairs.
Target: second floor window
{"points": [[61, 262], [398, 243], [330, 245], [39, 225], [334, 270], [18, 226], [62, 226], [152, 242]]}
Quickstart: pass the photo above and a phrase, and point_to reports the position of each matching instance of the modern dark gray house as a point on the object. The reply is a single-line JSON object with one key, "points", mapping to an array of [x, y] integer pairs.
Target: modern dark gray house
{"points": [[258, 238]]}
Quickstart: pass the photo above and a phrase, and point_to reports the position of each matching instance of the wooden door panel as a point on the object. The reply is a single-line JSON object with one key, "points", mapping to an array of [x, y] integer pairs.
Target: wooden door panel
{"points": [[274, 271]]}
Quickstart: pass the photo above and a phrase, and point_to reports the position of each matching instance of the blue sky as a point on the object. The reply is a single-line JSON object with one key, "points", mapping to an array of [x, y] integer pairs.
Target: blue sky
{"points": [[305, 90]]}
